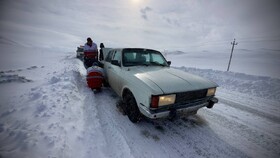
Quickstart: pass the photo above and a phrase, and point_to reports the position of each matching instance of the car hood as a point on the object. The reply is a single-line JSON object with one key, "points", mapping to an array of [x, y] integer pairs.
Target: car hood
{"points": [[171, 80]]}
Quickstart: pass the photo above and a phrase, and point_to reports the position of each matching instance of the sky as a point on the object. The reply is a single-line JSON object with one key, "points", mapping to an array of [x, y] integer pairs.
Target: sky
{"points": [[166, 25]]}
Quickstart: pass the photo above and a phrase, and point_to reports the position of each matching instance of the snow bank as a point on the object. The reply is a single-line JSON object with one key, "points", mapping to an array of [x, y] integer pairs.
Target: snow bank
{"points": [[42, 109], [261, 62], [56, 115], [258, 86], [46, 110]]}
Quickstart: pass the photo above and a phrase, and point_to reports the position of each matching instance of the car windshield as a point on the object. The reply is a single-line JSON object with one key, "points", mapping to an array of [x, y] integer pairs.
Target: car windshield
{"points": [[147, 57]]}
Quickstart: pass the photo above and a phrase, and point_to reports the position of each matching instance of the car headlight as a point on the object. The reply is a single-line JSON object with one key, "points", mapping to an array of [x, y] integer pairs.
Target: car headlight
{"points": [[211, 91], [157, 101]]}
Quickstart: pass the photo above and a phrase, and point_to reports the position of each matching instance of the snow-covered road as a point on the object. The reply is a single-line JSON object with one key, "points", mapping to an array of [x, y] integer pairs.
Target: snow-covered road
{"points": [[47, 110], [55, 114], [225, 131]]}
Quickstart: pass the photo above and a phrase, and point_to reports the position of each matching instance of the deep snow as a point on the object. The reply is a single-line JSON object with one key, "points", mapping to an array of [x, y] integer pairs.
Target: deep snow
{"points": [[47, 110], [256, 62]]}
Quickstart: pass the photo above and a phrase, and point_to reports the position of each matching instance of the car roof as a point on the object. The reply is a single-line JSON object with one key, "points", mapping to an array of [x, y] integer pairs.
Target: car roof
{"points": [[133, 48]]}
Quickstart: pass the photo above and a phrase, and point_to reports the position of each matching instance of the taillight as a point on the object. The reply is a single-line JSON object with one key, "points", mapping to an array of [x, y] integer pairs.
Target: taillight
{"points": [[154, 101]]}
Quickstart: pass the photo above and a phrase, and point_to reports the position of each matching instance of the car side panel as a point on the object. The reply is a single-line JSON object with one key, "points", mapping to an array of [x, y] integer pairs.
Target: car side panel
{"points": [[115, 77]]}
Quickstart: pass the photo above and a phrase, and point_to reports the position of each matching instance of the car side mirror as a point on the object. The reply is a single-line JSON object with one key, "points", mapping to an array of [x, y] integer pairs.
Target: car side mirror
{"points": [[115, 62], [169, 63]]}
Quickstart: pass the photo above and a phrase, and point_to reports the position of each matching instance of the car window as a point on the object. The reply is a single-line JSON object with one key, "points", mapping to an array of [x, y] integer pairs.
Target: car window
{"points": [[147, 57], [129, 56], [157, 58], [109, 56], [117, 56]]}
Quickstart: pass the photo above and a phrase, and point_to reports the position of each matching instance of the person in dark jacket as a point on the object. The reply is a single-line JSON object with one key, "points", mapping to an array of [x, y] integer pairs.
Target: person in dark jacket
{"points": [[101, 57]]}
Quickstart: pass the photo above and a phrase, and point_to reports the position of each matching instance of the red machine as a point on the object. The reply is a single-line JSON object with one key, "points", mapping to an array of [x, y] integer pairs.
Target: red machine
{"points": [[91, 55], [95, 77], [90, 58]]}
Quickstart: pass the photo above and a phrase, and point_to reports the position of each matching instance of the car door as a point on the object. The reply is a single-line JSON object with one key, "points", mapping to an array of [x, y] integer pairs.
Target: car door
{"points": [[107, 63], [115, 72]]}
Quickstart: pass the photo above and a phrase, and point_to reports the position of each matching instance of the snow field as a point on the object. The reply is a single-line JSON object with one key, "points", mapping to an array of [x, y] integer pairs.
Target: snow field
{"points": [[257, 93], [47, 110], [259, 62], [47, 119], [158, 138], [57, 115]]}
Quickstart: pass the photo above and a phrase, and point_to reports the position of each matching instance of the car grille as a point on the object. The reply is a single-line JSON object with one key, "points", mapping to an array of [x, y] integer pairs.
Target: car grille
{"points": [[185, 97]]}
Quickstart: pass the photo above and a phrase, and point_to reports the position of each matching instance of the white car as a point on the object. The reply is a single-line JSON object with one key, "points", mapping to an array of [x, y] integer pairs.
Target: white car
{"points": [[149, 87], [80, 52]]}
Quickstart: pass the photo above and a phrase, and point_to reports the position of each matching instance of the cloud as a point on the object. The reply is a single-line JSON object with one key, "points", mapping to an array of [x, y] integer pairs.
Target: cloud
{"points": [[172, 21], [178, 25], [144, 12]]}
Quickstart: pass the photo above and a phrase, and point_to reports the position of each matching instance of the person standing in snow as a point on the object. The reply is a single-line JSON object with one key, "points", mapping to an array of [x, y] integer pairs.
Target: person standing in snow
{"points": [[90, 52], [101, 57]]}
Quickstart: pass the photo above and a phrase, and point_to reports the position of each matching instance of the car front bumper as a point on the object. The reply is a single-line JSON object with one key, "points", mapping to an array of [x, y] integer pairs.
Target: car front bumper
{"points": [[172, 111]]}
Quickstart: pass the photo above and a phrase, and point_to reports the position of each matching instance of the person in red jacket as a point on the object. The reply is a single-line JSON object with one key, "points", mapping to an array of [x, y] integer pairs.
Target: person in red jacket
{"points": [[90, 53], [90, 46]]}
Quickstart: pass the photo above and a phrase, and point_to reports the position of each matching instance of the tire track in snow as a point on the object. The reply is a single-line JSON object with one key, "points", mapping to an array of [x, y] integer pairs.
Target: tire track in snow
{"points": [[249, 140], [142, 139], [92, 136], [231, 103], [135, 140], [89, 139], [171, 139], [117, 146], [192, 137]]}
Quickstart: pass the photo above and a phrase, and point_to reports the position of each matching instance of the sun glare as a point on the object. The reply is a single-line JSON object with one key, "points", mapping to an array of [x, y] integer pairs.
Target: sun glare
{"points": [[135, 1]]}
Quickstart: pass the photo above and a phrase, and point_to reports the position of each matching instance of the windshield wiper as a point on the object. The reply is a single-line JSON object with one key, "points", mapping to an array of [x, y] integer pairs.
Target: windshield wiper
{"points": [[141, 64], [145, 64], [156, 63], [136, 64]]}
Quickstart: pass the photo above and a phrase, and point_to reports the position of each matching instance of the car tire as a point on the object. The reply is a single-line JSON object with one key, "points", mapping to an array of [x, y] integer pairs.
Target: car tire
{"points": [[132, 110], [106, 83]]}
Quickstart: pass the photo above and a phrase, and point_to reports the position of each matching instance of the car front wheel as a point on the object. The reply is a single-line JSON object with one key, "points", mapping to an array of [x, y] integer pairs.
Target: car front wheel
{"points": [[132, 110]]}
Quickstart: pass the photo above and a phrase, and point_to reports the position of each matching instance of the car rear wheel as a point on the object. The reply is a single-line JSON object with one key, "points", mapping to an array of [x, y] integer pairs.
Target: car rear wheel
{"points": [[132, 110]]}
